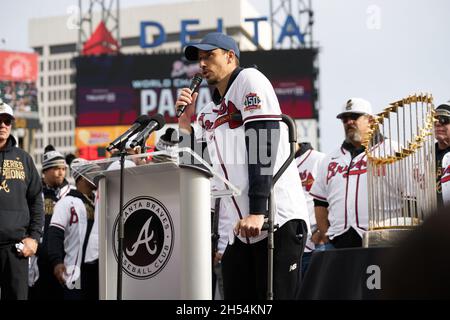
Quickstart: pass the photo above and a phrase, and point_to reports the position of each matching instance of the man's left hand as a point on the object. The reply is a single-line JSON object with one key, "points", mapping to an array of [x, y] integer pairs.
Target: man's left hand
{"points": [[29, 247], [250, 226]]}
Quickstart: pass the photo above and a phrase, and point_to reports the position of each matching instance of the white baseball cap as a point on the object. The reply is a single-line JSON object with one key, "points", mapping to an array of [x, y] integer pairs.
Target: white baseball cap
{"points": [[6, 109], [356, 105]]}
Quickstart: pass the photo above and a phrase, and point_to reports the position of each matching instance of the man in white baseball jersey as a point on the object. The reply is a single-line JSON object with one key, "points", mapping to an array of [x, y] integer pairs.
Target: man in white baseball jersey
{"points": [[340, 189], [442, 134], [68, 235], [307, 160], [247, 144]]}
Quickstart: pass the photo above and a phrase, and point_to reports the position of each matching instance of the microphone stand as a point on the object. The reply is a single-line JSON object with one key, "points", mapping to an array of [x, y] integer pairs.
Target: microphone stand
{"points": [[270, 223], [120, 227]]}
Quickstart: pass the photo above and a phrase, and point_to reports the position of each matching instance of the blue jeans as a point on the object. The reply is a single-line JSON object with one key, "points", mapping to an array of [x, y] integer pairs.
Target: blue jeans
{"points": [[324, 247]]}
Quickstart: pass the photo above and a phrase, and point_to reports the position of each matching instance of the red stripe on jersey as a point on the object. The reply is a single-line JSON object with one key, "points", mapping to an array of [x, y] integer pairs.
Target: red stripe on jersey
{"points": [[60, 226], [318, 197], [265, 116], [445, 179], [357, 172], [356, 199], [310, 151], [225, 172], [346, 196]]}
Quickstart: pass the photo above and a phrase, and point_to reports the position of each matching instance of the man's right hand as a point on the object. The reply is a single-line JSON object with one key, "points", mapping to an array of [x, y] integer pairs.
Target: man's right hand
{"points": [[319, 238], [186, 98], [59, 271]]}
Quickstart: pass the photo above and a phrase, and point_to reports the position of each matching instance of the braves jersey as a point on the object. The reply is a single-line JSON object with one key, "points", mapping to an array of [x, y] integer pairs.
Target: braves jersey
{"points": [[307, 165], [342, 182], [71, 215], [445, 179], [252, 95]]}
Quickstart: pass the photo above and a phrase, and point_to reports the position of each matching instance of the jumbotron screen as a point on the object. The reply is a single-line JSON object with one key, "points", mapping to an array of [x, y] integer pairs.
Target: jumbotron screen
{"points": [[115, 90]]}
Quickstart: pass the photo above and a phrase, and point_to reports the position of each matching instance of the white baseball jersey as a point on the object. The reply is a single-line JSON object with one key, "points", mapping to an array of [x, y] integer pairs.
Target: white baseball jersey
{"points": [[253, 96], [342, 182], [71, 216], [307, 165], [445, 179]]}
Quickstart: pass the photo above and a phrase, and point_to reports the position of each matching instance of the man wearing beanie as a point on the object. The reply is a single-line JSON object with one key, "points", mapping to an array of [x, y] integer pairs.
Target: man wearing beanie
{"points": [[55, 187], [442, 134], [21, 211]]}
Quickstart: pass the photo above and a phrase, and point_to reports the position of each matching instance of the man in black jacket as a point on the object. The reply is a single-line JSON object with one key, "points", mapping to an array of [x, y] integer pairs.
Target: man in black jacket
{"points": [[21, 211], [55, 187]]}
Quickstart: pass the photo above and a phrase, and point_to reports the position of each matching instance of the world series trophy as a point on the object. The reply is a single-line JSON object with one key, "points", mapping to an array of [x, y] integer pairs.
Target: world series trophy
{"points": [[400, 169]]}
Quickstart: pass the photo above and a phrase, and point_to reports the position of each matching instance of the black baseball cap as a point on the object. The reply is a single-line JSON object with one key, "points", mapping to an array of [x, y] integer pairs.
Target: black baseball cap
{"points": [[443, 110], [213, 40]]}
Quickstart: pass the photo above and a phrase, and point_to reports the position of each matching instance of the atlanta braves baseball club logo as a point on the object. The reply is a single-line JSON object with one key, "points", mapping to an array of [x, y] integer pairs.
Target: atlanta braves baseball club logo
{"points": [[148, 241]]}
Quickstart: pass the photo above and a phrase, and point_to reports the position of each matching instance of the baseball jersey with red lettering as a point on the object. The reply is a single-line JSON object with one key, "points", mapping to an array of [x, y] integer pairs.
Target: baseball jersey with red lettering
{"points": [[342, 182], [307, 165], [252, 95], [71, 216]]}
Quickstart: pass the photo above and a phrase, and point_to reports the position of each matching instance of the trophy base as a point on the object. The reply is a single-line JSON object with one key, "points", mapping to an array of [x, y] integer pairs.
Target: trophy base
{"points": [[384, 237]]}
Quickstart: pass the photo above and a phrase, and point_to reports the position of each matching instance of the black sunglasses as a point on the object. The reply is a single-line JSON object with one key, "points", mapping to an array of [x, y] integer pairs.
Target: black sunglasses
{"points": [[350, 116], [442, 120], [6, 121]]}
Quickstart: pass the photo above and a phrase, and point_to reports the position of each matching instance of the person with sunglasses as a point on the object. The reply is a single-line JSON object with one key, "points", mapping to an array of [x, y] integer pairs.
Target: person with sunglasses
{"points": [[442, 134], [340, 188], [21, 211]]}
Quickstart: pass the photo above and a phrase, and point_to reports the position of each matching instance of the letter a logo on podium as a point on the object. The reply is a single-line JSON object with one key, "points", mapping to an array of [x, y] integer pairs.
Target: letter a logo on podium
{"points": [[148, 239]]}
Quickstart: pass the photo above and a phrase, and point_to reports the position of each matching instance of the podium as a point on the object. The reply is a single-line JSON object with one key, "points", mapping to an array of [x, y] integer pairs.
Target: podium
{"points": [[167, 225]]}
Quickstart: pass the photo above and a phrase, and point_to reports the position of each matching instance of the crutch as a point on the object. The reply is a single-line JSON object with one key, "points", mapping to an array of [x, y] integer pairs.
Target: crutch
{"points": [[269, 225]]}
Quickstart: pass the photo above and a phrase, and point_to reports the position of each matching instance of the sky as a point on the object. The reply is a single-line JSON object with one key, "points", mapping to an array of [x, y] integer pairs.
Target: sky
{"points": [[380, 50]]}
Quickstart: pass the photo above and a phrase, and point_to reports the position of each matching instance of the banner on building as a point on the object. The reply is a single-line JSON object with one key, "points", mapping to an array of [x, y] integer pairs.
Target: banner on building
{"points": [[115, 90], [18, 76]]}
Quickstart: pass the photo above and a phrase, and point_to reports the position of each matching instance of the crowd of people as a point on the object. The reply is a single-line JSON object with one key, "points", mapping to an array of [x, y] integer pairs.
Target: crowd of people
{"points": [[48, 226]]}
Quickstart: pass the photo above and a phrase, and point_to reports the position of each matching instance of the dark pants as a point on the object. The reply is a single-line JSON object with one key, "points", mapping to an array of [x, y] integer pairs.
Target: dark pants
{"points": [[47, 287], [244, 266], [349, 239], [13, 274], [89, 284], [305, 262]]}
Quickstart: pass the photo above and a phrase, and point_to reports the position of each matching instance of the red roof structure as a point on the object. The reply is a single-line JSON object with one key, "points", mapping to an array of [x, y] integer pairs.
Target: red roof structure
{"points": [[101, 42]]}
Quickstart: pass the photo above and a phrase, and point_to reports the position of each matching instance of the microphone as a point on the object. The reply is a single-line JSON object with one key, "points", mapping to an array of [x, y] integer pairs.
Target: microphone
{"points": [[156, 122], [140, 123], [195, 83]]}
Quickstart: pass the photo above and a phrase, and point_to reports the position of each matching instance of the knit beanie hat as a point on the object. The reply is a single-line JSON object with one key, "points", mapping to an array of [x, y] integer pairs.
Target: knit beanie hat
{"points": [[81, 167], [52, 158]]}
